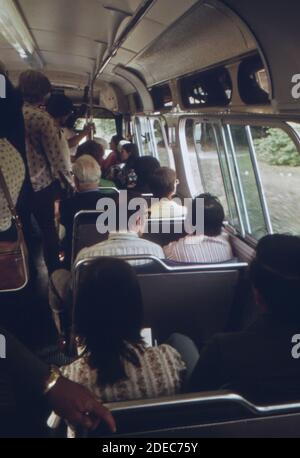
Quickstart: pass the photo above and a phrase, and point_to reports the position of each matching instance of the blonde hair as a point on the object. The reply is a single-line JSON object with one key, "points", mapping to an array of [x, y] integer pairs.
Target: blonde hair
{"points": [[87, 170], [34, 86]]}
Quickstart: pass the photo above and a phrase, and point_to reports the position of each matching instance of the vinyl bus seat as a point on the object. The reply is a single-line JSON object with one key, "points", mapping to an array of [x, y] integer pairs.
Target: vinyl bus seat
{"points": [[195, 300]]}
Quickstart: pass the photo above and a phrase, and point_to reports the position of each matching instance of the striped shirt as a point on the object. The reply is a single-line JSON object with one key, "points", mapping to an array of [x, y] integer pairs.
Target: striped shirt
{"points": [[122, 244], [200, 248], [48, 155], [160, 373], [13, 170]]}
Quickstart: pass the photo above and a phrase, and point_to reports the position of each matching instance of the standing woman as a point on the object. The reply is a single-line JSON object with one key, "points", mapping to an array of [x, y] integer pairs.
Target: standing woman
{"points": [[11, 163], [49, 168]]}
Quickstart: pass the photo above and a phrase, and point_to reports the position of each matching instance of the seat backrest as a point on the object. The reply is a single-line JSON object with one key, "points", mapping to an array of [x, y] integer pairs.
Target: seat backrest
{"points": [[194, 303], [85, 232], [195, 300]]}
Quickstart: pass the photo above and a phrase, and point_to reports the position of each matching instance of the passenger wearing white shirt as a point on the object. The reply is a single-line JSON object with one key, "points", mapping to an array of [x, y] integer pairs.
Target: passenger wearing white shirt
{"points": [[163, 184], [123, 242], [211, 247]]}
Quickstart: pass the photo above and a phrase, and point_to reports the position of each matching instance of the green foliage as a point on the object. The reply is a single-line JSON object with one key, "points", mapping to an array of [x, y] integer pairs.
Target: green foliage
{"points": [[277, 148]]}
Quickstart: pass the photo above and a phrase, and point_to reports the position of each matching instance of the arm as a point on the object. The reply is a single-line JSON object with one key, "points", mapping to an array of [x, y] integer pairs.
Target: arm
{"points": [[208, 374], [52, 144], [69, 400], [74, 141]]}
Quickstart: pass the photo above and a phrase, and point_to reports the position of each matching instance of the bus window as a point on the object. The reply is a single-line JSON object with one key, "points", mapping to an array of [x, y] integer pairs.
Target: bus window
{"points": [[279, 166], [208, 161], [250, 198], [143, 136], [197, 187], [234, 212], [105, 129], [163, 153]]}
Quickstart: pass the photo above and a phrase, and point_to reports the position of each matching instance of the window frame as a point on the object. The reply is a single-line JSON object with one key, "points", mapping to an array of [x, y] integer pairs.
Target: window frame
{"points": [[150, 120], [224, 122]]}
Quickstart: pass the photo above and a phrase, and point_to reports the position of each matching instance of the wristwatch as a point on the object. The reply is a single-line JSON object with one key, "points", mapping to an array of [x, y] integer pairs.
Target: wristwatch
{"points": [[52, 379]]}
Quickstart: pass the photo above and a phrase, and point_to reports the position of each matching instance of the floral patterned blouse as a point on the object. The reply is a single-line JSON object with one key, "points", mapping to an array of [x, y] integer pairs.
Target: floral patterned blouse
{"points": [[48, 155], [160, 373], [13, 170]]}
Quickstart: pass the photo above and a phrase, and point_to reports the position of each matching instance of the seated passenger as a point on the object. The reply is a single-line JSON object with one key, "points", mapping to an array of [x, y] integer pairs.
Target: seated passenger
{"points": [[212, 246], [125, 176], [163, 185], [259, 360], [113, 158], [124, 241], [95, 149], [87, 175], [115, 364], [144, 167]]}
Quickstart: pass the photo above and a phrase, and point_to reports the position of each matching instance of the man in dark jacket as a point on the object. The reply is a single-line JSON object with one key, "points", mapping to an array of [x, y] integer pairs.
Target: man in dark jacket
{"points": [[261, 359]]}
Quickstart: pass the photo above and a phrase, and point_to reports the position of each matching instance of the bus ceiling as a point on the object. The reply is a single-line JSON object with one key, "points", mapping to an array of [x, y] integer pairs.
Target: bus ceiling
{"points": [[126, 47]]}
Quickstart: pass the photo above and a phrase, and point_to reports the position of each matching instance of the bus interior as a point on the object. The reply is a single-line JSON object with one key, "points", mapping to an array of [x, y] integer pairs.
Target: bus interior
{"points": [[209, 88]]}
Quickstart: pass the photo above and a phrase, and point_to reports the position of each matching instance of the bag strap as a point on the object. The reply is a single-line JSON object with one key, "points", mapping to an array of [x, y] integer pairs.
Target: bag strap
{"points": [[11, 206]]}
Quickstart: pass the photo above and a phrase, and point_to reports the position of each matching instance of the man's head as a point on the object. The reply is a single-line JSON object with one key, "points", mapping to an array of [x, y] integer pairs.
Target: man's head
{"points": [[34, 86], [275, 276], [163, 183], [60, 107], [87, 173], [92, 149], [213, 214]]}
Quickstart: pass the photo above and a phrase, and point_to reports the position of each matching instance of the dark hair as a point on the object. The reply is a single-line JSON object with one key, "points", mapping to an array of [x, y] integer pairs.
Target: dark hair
{"points": [[162, 182], [109, 316], [133, 152], [144, 167], [34, 86], [91, 148], [116, 139], [59, 105], [78, 112], [213, 214], [275, 273]]}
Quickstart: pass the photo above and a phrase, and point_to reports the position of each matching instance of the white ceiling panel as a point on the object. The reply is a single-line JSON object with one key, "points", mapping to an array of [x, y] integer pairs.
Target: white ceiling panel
{"points": [[167, 11], [143, 34], [68, 44], [67, 62]]}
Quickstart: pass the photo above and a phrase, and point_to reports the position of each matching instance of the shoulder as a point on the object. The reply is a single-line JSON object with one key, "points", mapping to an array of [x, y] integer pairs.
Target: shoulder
{"points": [[37, 115], [152, 245], [78, 370], [9, 156], [168, 354], [173, 247], [92, 251]]}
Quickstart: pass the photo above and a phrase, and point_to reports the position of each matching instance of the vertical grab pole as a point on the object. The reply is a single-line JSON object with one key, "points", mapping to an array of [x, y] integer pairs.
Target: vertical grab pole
{"points": [[91, 120]]}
